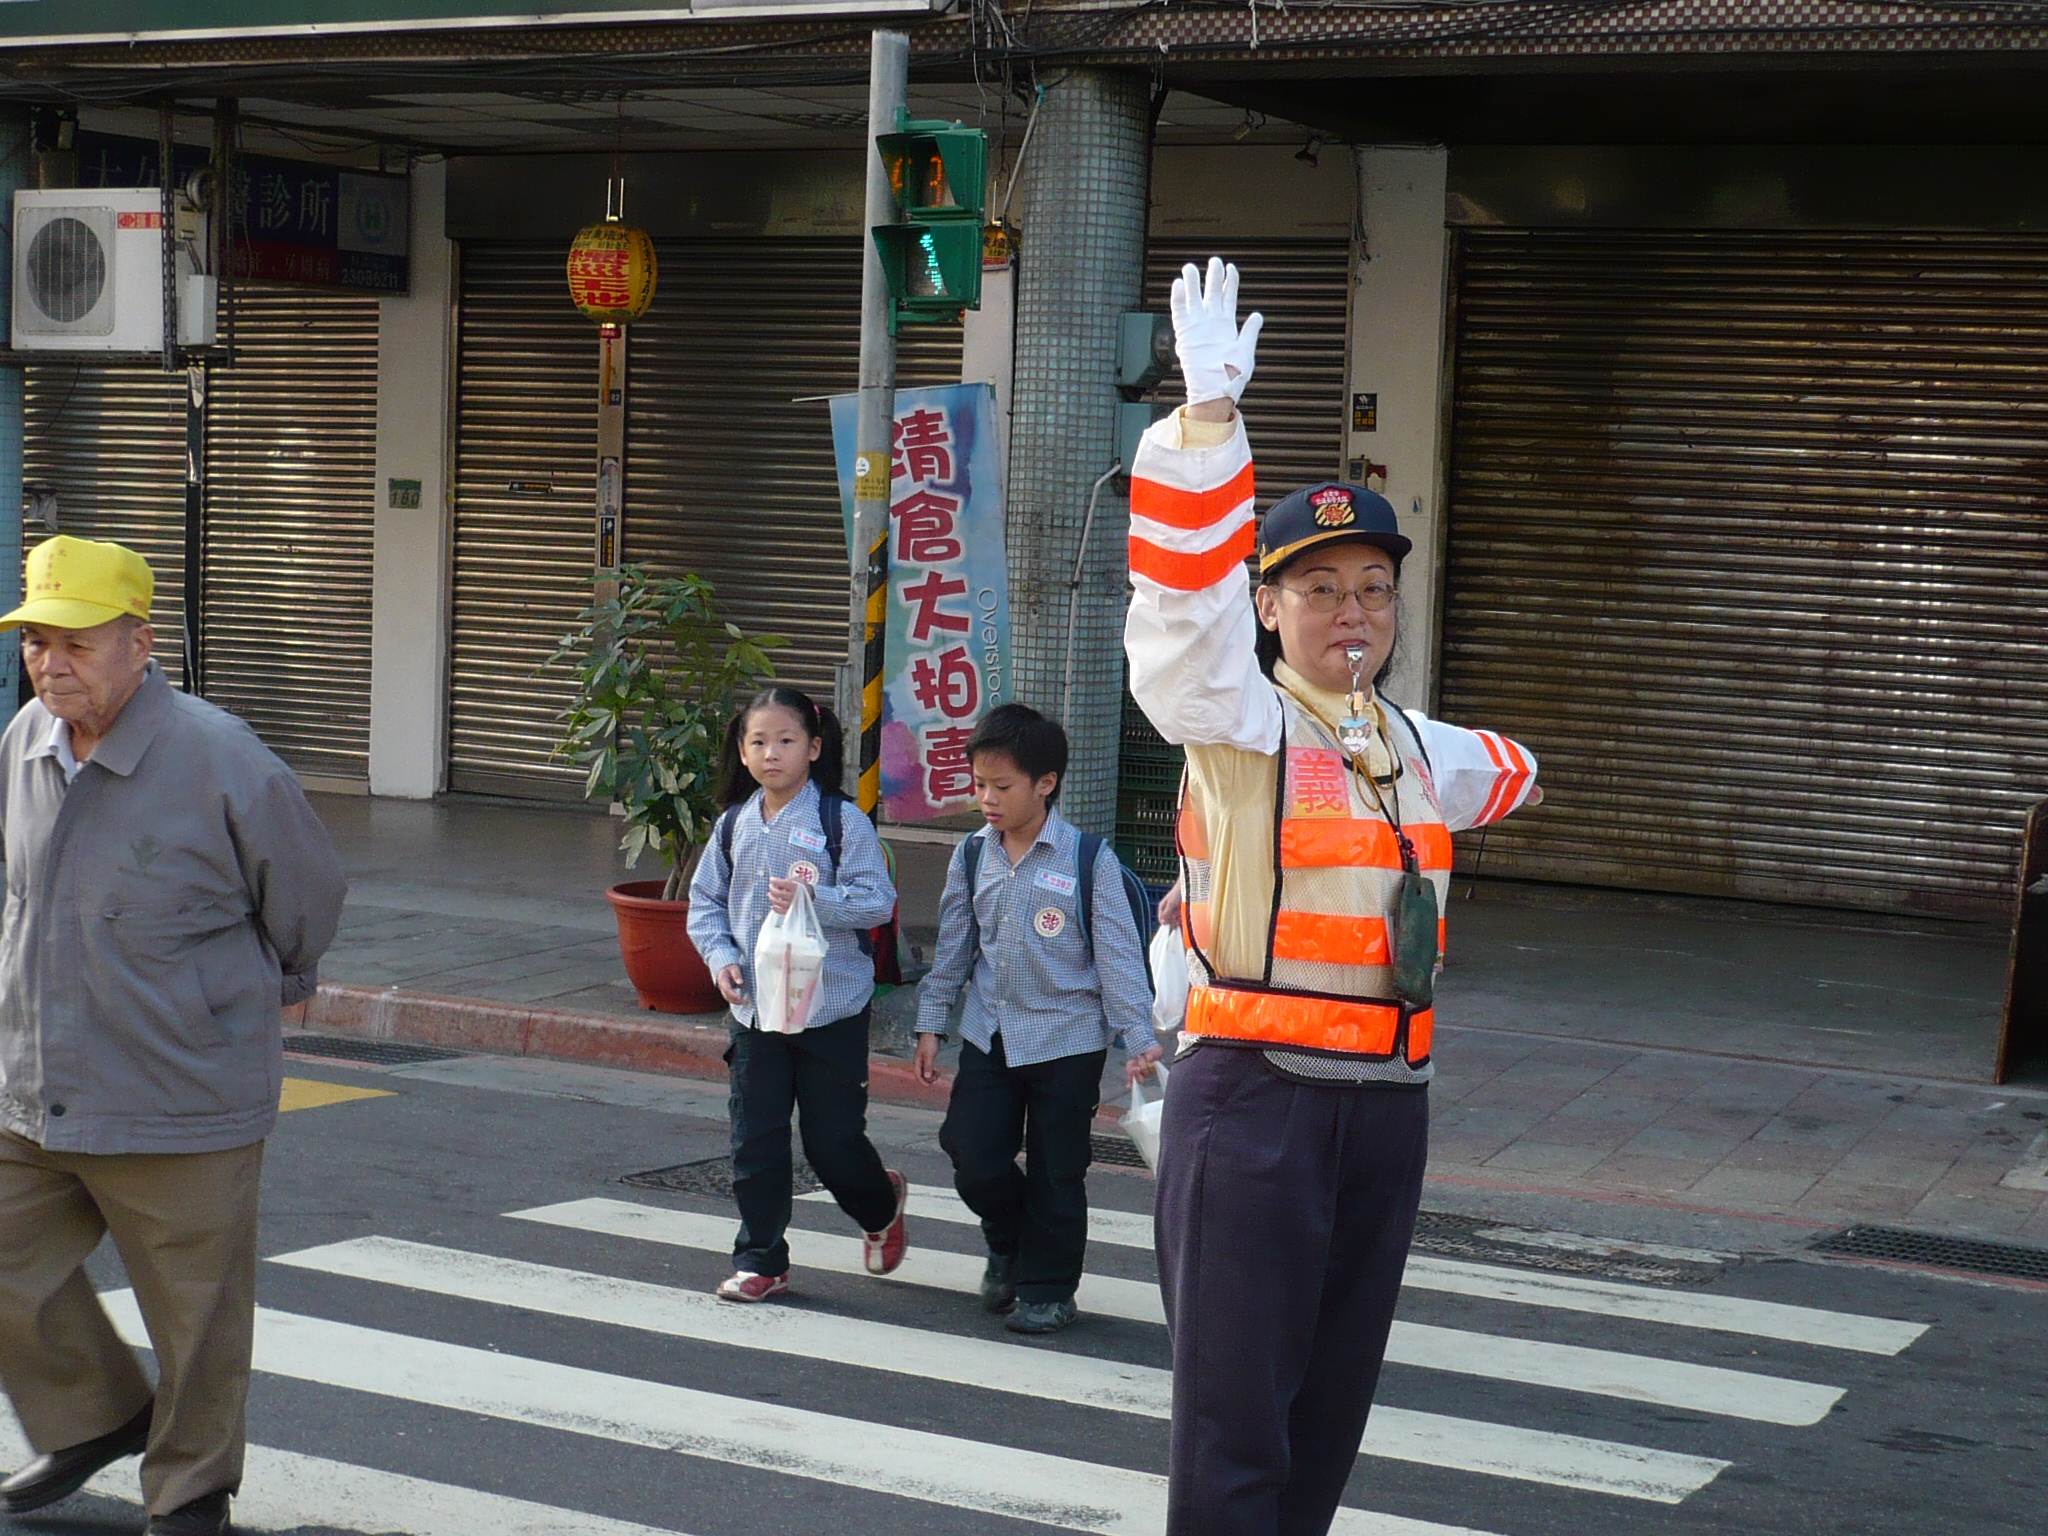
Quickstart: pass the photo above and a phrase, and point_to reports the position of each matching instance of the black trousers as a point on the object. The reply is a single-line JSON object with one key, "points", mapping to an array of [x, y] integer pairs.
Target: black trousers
{"points": [[822, 1075], [1284, 1215], [1038, 1212]]}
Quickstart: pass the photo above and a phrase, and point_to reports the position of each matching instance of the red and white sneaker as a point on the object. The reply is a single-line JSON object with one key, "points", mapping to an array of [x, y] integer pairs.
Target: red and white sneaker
{"points": [[882, 1251], [747, 1286]]}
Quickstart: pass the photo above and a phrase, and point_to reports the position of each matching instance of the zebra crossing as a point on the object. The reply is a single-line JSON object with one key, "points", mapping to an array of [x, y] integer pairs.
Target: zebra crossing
{"points": [[1624, 1469]]}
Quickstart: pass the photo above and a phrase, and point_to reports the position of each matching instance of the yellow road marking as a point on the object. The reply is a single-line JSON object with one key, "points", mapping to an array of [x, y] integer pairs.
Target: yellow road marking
{"points": [[308, 1093]]}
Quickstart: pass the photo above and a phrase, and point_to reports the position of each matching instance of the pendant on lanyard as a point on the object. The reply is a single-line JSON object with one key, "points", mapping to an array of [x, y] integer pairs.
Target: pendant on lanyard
{"points": [[1355, 730], [1412, 922]]}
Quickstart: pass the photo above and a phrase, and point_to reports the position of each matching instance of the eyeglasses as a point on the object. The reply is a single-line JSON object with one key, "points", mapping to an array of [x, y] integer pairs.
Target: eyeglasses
{"points": [[1373, 597]]}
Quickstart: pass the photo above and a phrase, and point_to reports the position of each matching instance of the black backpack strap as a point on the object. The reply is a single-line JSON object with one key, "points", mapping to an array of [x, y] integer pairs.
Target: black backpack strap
{"points": [[970, 866], [832, 819], [1089, 851], [725, 820]]}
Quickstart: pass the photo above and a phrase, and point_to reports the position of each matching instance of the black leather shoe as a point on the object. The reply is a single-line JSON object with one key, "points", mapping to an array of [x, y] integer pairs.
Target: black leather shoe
{"points": [[62, 1473], [999, 1283], [205, 1516], [1040, 1316]]}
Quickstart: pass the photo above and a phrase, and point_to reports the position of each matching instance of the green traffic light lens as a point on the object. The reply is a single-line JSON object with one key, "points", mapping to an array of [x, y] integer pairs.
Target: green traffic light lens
{"points": [[928, 278]]}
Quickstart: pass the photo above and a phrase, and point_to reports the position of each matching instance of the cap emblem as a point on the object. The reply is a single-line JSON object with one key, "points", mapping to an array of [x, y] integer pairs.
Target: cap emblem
{"points": [[1333, 508]]}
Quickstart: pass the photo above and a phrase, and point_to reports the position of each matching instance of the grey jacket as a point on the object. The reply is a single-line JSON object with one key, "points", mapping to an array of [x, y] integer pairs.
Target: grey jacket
{"points": [[160, 912]]}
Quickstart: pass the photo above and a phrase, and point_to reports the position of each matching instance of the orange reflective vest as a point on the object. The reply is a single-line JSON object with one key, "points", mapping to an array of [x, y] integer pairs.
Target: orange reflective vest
{"points": [[1327, 979]]}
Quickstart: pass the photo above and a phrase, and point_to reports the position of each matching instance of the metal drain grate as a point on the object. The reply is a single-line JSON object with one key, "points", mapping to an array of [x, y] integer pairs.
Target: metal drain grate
{"points": [[713, 1176], [1117, 1151], [1895, 1246], [381, 1053]]}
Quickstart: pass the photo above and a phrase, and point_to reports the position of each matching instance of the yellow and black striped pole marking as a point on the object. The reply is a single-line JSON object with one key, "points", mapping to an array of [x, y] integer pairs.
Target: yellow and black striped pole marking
{"points": [[875, 637]]}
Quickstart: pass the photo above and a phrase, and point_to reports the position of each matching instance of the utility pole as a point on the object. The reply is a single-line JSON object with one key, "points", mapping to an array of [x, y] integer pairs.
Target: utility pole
{"points": [[867, 612]]}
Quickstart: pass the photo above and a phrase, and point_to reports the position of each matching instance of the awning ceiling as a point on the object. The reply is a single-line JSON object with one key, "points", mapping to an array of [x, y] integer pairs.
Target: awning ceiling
{"points": [[1704, 71]]}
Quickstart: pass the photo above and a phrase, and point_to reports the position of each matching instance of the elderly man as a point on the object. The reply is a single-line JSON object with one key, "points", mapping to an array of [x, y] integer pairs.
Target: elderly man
{"points": [[169, 890]]}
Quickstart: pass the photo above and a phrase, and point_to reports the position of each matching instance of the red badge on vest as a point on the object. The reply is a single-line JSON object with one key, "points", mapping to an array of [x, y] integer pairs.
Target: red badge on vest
{"points": [[1316, 783]]}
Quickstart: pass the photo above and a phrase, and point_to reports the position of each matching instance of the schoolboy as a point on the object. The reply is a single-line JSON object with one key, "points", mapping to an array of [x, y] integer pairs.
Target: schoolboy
{"points": [[1043, 1001]]}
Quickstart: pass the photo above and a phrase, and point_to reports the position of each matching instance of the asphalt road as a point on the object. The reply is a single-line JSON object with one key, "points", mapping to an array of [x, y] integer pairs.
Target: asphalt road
{"points": [[472, 1325]]}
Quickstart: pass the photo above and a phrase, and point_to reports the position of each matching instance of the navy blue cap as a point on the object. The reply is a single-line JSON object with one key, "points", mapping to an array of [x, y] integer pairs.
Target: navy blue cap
{"points": [[1329, 513]]}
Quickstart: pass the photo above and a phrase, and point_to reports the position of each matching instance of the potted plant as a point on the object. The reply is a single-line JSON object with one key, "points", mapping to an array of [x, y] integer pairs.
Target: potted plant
{"points": [[658, 674]]}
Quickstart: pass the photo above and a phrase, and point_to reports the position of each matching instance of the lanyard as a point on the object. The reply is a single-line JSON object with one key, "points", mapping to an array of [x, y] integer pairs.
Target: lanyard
{"points": [[1388, 801]]}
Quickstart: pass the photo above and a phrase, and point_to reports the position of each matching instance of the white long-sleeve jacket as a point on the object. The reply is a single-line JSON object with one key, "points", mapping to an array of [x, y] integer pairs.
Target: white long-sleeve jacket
{"points": [[1194, 671]]}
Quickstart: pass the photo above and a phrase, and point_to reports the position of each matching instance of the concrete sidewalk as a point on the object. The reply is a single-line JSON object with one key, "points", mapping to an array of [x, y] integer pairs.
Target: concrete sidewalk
{"points": [[1783, 1064]]}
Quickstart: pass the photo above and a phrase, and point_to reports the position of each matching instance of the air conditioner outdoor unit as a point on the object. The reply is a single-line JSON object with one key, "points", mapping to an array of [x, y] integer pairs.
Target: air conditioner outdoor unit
{"points": [[88, 274]]}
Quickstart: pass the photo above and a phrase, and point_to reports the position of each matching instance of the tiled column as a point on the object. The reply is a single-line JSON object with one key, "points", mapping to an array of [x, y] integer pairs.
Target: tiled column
{"points": [[1080, 268]]}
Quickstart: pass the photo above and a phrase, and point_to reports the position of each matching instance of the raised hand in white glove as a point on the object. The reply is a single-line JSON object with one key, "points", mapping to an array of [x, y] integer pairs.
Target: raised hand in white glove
{"points": [[1215, 355]]}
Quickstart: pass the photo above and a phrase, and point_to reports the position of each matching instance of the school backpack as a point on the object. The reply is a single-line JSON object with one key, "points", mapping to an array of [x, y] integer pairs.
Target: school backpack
{"points": [[879, 941], [1143, 914]]}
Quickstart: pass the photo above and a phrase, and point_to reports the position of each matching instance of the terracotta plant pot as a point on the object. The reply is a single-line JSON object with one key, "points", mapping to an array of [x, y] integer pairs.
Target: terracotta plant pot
{"points": [[661, 962]]}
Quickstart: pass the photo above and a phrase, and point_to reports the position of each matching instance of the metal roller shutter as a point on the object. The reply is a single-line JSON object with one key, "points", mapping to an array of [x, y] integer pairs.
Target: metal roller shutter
{"points": [[291, 453], [1295, 413], [1296, 407], [1748, 542], [111, 441], [726, 474], [290, 525]]}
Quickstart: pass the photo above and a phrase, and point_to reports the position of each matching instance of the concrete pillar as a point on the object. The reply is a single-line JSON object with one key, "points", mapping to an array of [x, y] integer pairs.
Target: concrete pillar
{"points": [[1400, 268], [14, 158], [988, 347], [1080, 268], [409, 606]]}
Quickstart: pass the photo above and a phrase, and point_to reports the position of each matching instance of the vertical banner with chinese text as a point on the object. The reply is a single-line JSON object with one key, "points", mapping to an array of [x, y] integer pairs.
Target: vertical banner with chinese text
{"points": [[947, 658]]}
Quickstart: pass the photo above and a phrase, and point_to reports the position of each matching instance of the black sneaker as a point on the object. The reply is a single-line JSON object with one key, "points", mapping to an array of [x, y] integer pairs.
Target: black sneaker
{"points": [[204, 1516], [1040, 1316], [999, 1283]]}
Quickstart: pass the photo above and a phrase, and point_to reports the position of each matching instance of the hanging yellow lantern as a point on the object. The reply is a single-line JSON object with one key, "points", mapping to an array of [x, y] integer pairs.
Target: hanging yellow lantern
{"points": [[611, 272]]}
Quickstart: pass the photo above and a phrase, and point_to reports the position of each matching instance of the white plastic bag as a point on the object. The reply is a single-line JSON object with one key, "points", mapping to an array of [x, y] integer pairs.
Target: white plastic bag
{"points": [[1142, 1123], [789, 964], [1169, 980]]}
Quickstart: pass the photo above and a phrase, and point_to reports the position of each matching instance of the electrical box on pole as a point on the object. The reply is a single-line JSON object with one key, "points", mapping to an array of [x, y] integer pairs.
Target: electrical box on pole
{"points": [[931, 255]]}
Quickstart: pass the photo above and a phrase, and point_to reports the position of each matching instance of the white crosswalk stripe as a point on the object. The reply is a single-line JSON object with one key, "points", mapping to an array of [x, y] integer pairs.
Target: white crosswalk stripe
{"points": [[795, 1442], [1607, 1373], [1607, 1298], [1646, 1393], [1567, 1461], [285, 1491]]}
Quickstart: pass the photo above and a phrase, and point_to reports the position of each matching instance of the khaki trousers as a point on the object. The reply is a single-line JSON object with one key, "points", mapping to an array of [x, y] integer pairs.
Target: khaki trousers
{"points": [[185, 1226]]}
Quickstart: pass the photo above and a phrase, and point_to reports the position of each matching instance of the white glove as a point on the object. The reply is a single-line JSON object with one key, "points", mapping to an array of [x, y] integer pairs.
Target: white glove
{"points": [[1215, 356]]}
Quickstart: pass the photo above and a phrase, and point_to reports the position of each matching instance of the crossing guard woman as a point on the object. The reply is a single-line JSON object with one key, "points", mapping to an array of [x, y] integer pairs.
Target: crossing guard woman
{"points": [[1315, 840]]}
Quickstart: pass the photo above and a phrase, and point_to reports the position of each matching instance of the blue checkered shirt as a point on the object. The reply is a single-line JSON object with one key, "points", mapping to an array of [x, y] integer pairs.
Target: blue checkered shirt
{"points": [[1032, 976], [729, 903]]}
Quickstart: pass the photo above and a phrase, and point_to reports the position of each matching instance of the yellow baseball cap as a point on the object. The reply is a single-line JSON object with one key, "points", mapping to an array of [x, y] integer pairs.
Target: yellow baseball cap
{"points": [[78, 583]]}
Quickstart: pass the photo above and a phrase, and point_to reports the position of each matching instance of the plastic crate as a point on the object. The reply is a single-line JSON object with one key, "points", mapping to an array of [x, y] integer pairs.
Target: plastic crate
{"points": [[1146, 777], [1154, 863]]}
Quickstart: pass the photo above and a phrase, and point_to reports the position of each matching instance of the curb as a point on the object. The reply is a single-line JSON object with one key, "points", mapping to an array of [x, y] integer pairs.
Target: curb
{"points": [[684, 1048]]}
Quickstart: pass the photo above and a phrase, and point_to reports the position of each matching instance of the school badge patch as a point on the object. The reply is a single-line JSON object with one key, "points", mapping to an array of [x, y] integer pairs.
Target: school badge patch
{"points": [[1050, 922], [1333, 508], [804, 870]]}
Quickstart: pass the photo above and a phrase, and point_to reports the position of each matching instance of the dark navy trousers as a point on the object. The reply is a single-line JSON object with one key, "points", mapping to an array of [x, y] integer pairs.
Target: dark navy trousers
{"points": [[1284, 1216], [821, 1075], [1037, 1214]]}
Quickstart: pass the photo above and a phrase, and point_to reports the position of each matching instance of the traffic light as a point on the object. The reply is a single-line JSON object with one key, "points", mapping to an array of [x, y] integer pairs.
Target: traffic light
{"points": [[932, 257]]}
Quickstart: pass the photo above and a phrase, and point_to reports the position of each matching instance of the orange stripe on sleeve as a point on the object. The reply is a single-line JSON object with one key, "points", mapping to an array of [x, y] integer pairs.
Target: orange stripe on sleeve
{"points": [[1503, 773], [1190, 573], [1190, 509]]}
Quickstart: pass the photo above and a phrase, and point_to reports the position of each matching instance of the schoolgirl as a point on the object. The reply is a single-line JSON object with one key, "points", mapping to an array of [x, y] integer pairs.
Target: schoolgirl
{"points": [[784, 820]]}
